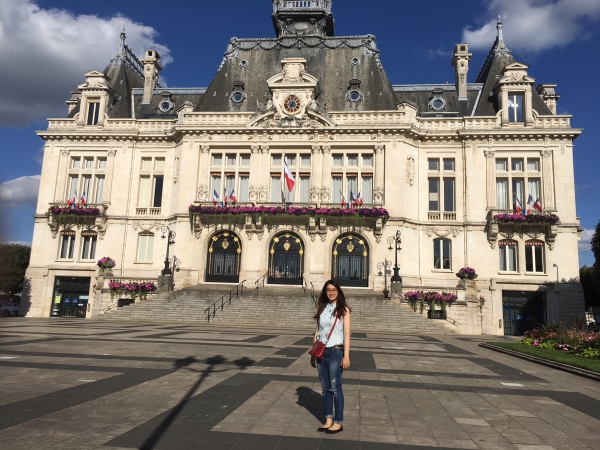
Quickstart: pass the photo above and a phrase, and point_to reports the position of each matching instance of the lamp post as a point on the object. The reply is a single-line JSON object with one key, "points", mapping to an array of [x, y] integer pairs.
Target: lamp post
{"points": [[396, 240], [170, 240], [385, 266]]}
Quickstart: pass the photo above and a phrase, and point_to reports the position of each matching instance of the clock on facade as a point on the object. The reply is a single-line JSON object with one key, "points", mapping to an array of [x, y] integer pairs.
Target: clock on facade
{"points": [[292, 104]]}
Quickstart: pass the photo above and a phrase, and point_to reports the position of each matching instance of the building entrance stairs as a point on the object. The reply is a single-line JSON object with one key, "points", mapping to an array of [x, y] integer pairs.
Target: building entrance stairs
{"points": [[277, 307]]}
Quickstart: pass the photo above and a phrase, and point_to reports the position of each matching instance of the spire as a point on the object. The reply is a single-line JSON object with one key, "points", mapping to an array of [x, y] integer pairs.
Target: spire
{"points": [[499, 28], [122, 46]]}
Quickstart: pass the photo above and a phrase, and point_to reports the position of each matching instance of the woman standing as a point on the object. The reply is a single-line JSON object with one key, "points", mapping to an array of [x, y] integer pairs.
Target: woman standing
{"points": [[333, 316]]}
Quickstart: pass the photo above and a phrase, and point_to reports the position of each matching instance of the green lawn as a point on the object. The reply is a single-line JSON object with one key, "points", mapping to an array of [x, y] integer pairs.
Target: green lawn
{"points": [[592, 364]]}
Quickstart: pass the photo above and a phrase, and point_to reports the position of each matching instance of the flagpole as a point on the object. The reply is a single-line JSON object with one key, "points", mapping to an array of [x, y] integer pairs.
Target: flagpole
{"points": [[283, 182]]}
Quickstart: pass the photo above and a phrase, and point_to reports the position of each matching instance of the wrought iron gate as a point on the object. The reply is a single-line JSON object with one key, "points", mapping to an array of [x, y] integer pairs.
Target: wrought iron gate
{"points": [[286, 260], [522, 311], [350, 262], [223, 260], [71, 295]]}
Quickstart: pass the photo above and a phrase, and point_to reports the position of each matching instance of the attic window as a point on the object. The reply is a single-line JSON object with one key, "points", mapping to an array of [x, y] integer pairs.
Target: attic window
{"points": [[515, 107], [166, 104], [437, 103], [355, 61], [244, 63], [93, 112], [238, 95], [354, 93]]}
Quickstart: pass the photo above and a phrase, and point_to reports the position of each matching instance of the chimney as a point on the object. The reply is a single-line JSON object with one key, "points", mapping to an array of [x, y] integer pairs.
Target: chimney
{"points": [[549, 95], [152, 68], [460, 62]]}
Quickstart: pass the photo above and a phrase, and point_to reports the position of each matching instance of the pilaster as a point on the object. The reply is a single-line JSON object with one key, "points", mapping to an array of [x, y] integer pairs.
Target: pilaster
{"points": [[490, 167], [547, 200]]}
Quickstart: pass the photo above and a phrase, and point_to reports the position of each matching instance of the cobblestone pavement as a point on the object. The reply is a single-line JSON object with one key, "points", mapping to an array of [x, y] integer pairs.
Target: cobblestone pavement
{"points": [[84, 384]]}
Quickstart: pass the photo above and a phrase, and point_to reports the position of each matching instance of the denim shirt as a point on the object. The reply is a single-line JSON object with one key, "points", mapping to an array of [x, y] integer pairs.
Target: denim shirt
{"points": [[326, 320]]}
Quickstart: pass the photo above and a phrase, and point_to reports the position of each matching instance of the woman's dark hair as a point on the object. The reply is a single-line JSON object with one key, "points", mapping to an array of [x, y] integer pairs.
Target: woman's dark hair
{"points": [[341, 306]]}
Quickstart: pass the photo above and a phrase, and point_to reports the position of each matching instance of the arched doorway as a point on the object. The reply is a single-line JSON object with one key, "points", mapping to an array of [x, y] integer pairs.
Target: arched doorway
{"points": [[223, 259], [286, 259], [350, 261]]}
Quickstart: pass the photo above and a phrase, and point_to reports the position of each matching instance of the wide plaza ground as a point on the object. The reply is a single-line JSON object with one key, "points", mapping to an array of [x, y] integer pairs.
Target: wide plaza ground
{"points": [[85, 384]]}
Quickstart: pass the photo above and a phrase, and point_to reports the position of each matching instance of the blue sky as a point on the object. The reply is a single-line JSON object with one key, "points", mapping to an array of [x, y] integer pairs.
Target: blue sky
{"points": [[47, 45]]}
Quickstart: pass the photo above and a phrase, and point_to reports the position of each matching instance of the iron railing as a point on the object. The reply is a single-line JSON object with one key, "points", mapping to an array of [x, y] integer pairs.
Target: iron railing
{"points": [[313, 293], [261, 281], [229, 295], [453, 322]]}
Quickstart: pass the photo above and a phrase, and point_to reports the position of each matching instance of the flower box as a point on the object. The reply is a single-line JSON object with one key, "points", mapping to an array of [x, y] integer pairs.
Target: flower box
{"points": [[538, 218]]}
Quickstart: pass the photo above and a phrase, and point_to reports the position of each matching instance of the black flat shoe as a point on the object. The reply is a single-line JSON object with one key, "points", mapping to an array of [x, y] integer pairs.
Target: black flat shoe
{"points": [[321, 429], [328, 431]]}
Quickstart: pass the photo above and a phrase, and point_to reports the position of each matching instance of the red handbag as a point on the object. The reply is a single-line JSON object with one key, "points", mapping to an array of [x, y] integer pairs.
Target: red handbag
{"points": [[318, 347]]}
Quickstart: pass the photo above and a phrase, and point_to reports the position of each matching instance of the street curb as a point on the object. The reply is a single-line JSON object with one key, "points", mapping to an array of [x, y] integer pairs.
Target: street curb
{"points": [[544, 362]]}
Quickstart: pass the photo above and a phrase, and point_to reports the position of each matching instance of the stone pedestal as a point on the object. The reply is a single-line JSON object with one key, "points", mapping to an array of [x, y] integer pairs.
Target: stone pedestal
{"points": [[396, 292], [165, 284], [473, 325]]}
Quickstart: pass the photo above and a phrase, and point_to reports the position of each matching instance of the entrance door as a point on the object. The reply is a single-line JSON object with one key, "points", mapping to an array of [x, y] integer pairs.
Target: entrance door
{"points": [[223, 260], [286, 260], [350, 261], [522, 311], [70, 297]]}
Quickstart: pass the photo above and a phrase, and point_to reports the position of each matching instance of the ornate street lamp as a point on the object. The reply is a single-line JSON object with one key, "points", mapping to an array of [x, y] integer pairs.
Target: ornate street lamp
{"points": [[396, 240], [385, 268], [170, 240]]}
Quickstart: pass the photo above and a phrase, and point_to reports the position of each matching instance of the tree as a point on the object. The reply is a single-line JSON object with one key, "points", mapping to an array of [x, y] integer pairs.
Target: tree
{"points": [[14, 259], [591, 286], [595, 244]]}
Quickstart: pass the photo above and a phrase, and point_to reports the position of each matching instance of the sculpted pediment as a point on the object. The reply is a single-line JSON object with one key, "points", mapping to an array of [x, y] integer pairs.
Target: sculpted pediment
{"points": [[94, 80], [516, 73], [273, 119]]}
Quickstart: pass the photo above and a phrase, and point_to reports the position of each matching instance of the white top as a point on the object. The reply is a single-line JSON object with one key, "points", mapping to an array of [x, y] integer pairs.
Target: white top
{"points": [[326, 320]]}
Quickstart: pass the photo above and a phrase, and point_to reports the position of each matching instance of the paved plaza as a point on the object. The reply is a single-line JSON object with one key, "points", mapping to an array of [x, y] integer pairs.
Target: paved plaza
{"points": [[85, 384]]}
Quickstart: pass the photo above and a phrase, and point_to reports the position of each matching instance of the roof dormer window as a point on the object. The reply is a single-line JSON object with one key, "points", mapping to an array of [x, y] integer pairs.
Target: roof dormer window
{"points": [[515, 107], [93, 112]]}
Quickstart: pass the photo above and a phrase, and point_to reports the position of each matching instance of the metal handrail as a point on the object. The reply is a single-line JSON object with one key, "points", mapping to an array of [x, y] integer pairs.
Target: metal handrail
{"points": [[261, 281], [313, 292], [453, 322], [222, 300]]}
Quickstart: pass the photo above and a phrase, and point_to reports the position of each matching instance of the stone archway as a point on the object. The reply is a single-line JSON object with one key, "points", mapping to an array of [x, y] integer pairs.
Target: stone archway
{"points": [[223, 258], [286, 259], [350, 261]]}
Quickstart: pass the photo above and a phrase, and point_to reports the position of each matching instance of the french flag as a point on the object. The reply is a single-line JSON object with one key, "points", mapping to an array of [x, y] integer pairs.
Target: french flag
{"points": [[352, 200], [289, 178], [215, 197], [82, 201], [344, 203], [358, 199], [518, 206], [224, 197], [537, 205], [530, 204], [72, 201], [232, 197]]}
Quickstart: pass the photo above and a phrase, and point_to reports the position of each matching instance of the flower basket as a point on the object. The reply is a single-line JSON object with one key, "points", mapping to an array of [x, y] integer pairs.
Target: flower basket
{"points": [[543, 218], [466, 273], [132, 288]]}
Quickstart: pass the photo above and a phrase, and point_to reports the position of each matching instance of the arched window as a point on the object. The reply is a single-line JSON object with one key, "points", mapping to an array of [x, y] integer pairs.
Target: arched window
{"points": [[442, 254], [286, 259], [508, 255], [350, 261], [534, 256], [88, 244], [223, 259]]}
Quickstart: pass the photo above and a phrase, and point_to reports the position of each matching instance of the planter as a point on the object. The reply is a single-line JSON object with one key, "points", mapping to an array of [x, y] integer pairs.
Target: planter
{"points": [[436, 314], [124, 302], [107, 272]]}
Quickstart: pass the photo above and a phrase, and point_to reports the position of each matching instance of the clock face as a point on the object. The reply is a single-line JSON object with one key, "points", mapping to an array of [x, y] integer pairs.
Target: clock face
{"points": [[292, 104]]}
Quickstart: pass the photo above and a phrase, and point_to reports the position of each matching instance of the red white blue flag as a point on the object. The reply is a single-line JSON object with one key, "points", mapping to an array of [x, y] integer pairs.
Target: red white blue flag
{"points": [[289, 178]]}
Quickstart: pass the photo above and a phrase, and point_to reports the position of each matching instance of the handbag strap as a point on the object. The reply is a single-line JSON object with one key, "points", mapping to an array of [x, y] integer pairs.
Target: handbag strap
{"points": [[331, 331]]}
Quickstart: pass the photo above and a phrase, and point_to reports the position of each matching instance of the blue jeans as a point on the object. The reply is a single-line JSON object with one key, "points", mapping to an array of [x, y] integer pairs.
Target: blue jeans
{"points": [[330, 373]]}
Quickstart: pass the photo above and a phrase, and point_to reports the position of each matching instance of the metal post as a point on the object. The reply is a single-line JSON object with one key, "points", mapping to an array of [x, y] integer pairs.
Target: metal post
{"points": [[396, 240], [170, 240]]}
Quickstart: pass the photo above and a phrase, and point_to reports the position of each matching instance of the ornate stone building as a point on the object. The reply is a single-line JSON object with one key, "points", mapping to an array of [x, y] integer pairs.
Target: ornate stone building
{"points": [[449, 163]]}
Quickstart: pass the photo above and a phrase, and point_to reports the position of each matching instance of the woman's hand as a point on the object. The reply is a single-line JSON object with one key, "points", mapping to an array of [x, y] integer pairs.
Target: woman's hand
{"points": [[345, 362], [313, 361]]}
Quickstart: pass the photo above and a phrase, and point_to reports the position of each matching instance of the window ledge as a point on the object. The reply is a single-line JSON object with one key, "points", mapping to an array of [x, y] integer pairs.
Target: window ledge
{"points": [[441, 270], [144, 262], [535, 274], [509, 273]]}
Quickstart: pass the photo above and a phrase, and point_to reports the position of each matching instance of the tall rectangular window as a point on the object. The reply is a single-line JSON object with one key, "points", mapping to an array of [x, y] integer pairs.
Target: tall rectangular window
{"points": [[244, 188], [231, 159], [352, 184], [434, 194], [291, 160], [449, 196], [501, 165], [216, 186], [276, 160], [229, 183], [501, 193], [449, 164], [367, 160], [88, 245], [67, 245], [508, 256], [517, 192], [99, 192], [217, 159], [533, 164], [534, 256], [304, 188], [338, 160], [157, 192], [336, 189], [146, 164], [76, 163], [367, 189], [516, 164], [88, 163], [86, 188], [276, 192], [533, 188], [515, 107], [145, 194], [145, 247], [101, 163], [305, 160], [93, 113], [442, 254], [352, 160], [159, 164], [433, 164], [244, 160]]}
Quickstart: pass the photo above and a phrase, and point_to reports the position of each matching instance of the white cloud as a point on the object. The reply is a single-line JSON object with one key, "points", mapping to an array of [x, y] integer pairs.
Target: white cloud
{"points": [[585, 242], [8, 241], [20, 192], [45, 52], [535, 25]]}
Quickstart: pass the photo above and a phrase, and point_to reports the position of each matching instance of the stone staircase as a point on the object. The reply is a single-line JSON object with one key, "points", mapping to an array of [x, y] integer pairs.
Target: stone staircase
{"points": [[276, 307]]}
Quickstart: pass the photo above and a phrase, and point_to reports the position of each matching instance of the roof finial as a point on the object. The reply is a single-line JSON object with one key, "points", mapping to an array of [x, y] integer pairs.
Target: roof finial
{"points": [[122, 46], [499, 28]]}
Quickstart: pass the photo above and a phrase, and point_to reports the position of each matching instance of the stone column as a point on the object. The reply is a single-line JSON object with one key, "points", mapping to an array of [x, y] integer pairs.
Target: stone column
{"points": [[547, 181], [490, 169], [316, 174], [326, 175], [110, 169], [264, 173], [63, 166], [378, 188], [255, 164]]}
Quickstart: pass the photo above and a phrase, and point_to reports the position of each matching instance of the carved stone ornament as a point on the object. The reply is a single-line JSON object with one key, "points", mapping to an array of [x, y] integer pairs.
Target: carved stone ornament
{"points": [[489, 154], [378, 194], [430, 231], [253, 193], [325, 195], [147, 227], [203, 192], [410, 170], [315, 194]]}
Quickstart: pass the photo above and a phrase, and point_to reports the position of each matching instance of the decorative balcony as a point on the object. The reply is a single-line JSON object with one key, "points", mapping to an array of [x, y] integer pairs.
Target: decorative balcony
{"points": [[536, 224], [438, 216], [147, 211], [90, 215], [316, 221]]}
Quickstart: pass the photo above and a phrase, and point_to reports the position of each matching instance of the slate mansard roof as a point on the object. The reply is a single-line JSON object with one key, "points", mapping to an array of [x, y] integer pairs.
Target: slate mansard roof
{"points": [[334, 60]]}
